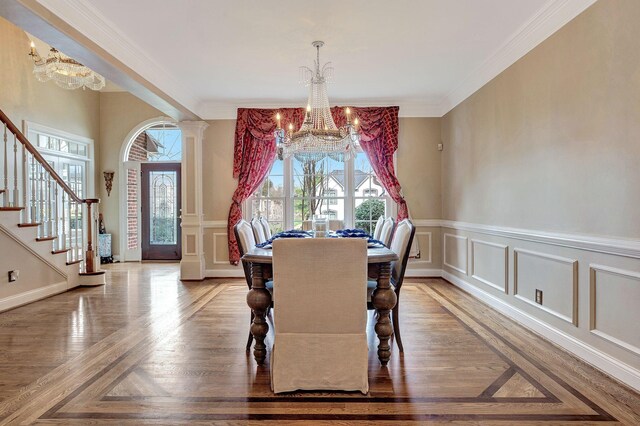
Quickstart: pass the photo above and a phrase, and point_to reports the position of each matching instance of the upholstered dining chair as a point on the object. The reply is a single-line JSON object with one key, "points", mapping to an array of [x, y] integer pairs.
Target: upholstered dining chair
{"points": [[378, 229], [246, 241], [265, 226], [258, 230], [387, 231], [335, 224], [320, 338], [400, 245]]}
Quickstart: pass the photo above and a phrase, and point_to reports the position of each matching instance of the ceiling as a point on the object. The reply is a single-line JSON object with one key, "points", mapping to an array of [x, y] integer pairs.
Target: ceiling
{"points": [[216, 55]]}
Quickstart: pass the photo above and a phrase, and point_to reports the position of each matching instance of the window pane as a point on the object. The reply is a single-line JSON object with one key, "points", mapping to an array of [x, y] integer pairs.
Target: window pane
{"points": [[164, 143]]}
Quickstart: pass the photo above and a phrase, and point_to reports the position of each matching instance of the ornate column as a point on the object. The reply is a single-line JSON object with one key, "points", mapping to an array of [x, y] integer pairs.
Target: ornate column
{"points": [[192, 265]]}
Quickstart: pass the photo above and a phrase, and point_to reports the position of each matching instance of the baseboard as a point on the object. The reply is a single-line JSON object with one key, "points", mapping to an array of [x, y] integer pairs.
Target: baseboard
{"points": [[600, 360], [423, 273], [224, 273], [32, 295]]}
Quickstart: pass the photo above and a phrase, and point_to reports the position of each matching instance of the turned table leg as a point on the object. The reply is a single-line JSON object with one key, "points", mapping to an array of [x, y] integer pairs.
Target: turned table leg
{"points": [[384, 299], [259, 300]]}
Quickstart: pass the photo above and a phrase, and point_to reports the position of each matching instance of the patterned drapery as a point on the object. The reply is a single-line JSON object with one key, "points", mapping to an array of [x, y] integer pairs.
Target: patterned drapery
{"points": [[255, 150]]}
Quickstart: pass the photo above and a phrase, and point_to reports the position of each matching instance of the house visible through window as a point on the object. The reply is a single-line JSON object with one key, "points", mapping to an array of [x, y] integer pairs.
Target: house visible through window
{"points": [[294, 192]]}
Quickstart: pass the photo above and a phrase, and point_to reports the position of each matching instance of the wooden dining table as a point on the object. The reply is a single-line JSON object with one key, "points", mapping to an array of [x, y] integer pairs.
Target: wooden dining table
{"points": [[383, 298]]}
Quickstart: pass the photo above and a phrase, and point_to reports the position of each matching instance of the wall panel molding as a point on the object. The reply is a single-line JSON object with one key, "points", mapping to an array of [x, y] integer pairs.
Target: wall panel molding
{"points": [[505, 258], [594, 269], [573, 263], [460, 268]]}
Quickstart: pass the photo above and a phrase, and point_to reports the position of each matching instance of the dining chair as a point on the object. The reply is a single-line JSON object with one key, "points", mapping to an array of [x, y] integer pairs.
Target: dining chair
{"points": [[265, 226], [246, 241], [258, 230], [320, 336], [378, 229], [387, 231], [335, 224], [400, 245]]}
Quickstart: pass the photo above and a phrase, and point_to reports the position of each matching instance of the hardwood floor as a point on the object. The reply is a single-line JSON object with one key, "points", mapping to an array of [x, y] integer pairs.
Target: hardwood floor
{"points": [[149, 349]]}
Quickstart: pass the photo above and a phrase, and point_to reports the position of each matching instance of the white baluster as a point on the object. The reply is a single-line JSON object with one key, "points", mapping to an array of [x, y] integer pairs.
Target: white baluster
{"points": [[6, 170], [34, 190], [63, 235], [25, 186], [56, 215], [16, 194]]}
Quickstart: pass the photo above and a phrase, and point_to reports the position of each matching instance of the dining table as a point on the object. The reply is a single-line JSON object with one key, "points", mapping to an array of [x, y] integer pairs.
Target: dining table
{"points": [[383, 298]]}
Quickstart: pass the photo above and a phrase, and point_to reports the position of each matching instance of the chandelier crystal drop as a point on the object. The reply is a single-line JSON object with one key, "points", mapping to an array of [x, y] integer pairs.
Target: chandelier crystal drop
{"points": [[64, 71], [318, 136]]}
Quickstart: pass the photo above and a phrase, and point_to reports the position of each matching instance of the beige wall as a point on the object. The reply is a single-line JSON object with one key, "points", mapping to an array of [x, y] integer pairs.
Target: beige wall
{"points": [[120, 112], [217, 169], [22, 97], [552, 143], [419, 171]]}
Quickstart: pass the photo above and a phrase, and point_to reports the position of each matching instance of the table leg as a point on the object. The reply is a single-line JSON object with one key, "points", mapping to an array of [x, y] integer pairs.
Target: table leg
{"points": [[259, 300], [384, 299]]}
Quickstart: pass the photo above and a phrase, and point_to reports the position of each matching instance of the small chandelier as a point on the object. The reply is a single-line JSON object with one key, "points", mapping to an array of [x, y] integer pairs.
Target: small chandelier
{"points": [[64, 71], [318, 137]]}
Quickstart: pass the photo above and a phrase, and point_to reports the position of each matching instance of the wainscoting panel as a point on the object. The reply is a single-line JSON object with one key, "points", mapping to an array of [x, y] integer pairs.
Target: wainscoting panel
{"points": [[455, 252], [490, 264], [614, 302], [556, 276]]}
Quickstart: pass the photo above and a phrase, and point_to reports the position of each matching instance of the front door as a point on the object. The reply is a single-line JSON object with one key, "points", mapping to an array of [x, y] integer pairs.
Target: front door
{"points": [[160, 204]]}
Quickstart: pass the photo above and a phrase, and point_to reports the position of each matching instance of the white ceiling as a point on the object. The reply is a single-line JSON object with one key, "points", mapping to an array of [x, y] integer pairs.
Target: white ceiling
{"points": [[216, 55]]}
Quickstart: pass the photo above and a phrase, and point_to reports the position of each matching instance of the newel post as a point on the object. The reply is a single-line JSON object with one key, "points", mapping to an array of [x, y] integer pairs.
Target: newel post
{"points": [[90, 257]]}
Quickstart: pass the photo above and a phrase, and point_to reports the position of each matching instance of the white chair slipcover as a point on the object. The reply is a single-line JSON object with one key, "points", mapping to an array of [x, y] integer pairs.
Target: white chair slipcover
{"points": [[321, 317], [387, 231], [378, 229], [258, 230], [265, 226]]}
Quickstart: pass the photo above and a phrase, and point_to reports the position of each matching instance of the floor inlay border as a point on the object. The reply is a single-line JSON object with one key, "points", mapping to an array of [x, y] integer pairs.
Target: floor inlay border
{"points": [[486, 397]]}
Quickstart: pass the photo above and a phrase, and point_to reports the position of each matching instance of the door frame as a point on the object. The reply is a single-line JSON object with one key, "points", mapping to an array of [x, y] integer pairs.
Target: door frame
{"points": [[144, 228]]}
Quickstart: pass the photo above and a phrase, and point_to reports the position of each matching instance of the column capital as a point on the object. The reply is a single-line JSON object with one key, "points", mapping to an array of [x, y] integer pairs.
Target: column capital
{"points": [[193, 128]]}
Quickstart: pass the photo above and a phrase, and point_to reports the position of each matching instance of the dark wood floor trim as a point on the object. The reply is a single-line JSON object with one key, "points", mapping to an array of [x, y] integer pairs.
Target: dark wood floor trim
{"points": [[500, 382], [595, 407], [335, 417], [339, 400]]}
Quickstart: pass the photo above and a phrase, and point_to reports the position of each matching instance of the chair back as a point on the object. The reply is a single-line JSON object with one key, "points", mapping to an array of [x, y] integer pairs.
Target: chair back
{"points": [[265, 226], [387, 231], [321, 314], [246, 241], [258, 230], [401, 245], [335, 224], [378, 229]]}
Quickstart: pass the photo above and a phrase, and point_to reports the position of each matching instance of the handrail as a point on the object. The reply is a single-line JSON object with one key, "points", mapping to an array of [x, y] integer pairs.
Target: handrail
{"points": [[44, 206], [36, 154]]}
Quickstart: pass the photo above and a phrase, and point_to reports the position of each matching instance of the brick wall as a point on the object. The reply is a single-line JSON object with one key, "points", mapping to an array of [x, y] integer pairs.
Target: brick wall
{"points": [[137, 152]]}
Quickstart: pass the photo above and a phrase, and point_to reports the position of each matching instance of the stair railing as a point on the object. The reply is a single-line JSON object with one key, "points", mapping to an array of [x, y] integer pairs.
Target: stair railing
{"points": [[31, 185]]}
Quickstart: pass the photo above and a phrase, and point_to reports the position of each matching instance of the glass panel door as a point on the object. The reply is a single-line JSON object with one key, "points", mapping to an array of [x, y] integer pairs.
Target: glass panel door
{"points": [[160, 186]]}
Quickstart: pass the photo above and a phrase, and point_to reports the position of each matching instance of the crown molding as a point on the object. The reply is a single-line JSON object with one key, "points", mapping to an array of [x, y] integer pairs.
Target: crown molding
{"points": [[549, 19], [228, 110], [95, 26]]}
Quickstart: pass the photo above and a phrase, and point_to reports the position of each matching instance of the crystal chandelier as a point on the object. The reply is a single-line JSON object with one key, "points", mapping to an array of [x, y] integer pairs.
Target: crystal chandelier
{"points": [[64, 71], [318, 137]]}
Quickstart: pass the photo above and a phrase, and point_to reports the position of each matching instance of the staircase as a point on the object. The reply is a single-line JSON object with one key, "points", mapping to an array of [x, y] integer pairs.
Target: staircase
{"points": [[41, 213]]}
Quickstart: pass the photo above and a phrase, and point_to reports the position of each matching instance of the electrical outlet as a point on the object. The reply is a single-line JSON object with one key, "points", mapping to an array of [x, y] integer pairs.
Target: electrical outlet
{"points": [[13, 275], [538, 296], [440, 147]]}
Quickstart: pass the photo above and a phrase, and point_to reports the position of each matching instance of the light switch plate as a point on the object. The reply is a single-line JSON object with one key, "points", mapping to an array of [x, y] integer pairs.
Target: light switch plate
{"points": [[539, 297], [440, 147], [13, 275]]}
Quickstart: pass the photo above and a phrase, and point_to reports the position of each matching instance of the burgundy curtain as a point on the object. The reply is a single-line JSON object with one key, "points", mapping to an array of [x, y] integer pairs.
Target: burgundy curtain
{"points": [[255, 151], [253, 155], [379, 140]]}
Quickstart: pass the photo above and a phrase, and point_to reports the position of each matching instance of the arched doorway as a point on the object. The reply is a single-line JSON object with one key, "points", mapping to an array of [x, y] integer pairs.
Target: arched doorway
{"points": [[150, 192]]}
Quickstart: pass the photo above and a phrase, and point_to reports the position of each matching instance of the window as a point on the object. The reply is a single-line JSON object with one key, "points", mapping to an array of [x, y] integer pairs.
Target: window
{"points": [[294, 192]]}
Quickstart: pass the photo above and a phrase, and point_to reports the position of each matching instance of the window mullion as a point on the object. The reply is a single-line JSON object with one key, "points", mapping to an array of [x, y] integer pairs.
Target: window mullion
{"points": [[349, 202]]}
